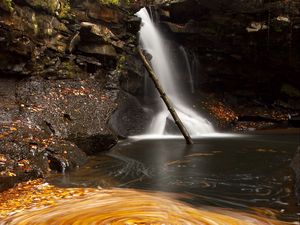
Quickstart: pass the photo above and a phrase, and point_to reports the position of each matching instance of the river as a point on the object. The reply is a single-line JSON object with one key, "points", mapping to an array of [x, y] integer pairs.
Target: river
{"points": [[249, 173]]}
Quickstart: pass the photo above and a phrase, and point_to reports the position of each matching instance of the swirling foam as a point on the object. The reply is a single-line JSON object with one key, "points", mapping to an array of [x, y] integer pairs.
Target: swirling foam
{"points": [[131, 207]]}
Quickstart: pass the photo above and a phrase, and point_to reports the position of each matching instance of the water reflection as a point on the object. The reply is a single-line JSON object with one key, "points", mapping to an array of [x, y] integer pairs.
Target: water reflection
{"points": [[248, 174]]}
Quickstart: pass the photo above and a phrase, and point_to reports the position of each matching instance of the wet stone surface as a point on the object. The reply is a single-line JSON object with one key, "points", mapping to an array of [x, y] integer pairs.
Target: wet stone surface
{"points": [[73, 110], [26, 152]]}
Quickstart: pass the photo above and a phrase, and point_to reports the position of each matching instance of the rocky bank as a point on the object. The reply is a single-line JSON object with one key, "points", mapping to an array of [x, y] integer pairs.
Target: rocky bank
{"points": [[63, 65]]}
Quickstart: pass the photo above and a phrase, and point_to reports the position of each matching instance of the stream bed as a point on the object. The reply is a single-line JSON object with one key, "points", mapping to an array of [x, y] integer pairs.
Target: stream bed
{"points": [[248, 173]]}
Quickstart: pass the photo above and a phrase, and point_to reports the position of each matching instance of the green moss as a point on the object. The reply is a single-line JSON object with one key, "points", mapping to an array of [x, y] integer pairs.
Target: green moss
{"points": [[35, 24], [70, 69], [50, 6], [122, 59], [9, 5], [121, 63], [61, 9], [65, 10], [114, 2]]}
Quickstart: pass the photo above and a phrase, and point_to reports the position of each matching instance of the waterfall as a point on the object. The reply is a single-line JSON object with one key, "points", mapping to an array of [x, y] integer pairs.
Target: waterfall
{"points": [[189, 70], [152, 42]]}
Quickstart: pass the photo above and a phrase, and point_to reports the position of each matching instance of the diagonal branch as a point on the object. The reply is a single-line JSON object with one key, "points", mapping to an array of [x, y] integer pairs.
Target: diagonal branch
{"points": [[166, 99]]}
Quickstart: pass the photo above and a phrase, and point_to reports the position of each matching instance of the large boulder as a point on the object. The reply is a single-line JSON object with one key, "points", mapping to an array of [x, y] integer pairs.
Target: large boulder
{"points": [[132, 74], [130, 118], [99, 40]]}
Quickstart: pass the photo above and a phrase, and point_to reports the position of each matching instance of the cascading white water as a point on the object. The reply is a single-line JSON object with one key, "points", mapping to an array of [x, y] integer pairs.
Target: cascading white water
{"points": [[151, 41], [189, 70]]}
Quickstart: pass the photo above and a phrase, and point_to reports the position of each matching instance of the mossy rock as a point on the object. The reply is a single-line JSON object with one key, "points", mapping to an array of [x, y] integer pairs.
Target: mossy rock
{"points": [[7, 5], [115, 2], [60, 8]]}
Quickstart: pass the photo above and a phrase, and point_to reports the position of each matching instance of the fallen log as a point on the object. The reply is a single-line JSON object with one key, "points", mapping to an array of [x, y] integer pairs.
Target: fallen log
{"points": [[165, 98]]}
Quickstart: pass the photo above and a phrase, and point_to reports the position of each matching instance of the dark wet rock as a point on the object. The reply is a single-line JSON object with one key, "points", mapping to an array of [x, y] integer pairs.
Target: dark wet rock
{"points": [[92, 144], [237, 113], [296, 167], [223, 29], [9, 109], [134, 25], [32, 42], [60, 8], [105, 50], [100, 42], [132, 74], [294, 120], [98, 34], [188, 28], [105, 13], [39, 41], [26, 151], [88, 61], [290, 103], [70, 109], [130, 118], [182, 11], [290, 91]]}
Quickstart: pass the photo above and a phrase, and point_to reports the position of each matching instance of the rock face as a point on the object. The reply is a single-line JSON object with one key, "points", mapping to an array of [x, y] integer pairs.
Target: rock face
{"points": [[61, 64], [249, 55]]}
